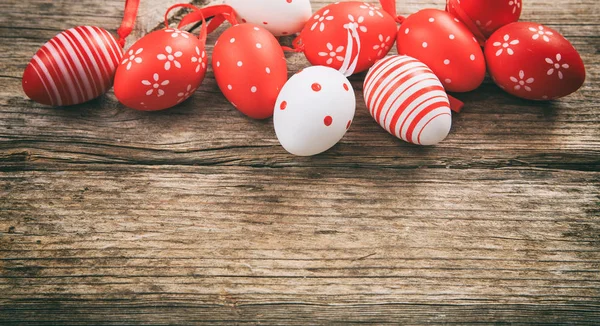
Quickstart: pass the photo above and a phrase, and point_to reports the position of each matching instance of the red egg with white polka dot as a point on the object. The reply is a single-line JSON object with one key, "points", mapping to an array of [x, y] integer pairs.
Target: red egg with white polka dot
{"points": [[250, 69], [407, 99], [534, 62], [446, 46], [314, 110], [160, 70], [348, 36], [485, 17], [280, 17]]}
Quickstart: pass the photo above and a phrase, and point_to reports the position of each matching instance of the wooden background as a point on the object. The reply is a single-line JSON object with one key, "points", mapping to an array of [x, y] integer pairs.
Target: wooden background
{"points": [[196, 214]]}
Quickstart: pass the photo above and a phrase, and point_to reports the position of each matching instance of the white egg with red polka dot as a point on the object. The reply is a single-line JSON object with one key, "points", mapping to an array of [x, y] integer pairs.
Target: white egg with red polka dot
{"points": [[314, 110], [280, 17]]}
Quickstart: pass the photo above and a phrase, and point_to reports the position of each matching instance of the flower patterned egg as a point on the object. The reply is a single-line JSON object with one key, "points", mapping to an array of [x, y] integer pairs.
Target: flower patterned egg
{"points": [[485, 17], [280, 17], [348, 36], [313, 111], [74, 67], [250, 69], [446, 46], [160, 70], [407, 99], [534, 62]]}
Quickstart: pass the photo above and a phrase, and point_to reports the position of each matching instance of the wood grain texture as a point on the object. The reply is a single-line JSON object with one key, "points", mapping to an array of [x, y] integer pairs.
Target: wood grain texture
{"points": [[197, 215]]}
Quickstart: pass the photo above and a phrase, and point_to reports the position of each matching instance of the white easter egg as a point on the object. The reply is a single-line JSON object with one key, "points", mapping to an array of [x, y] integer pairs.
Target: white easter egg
{"points": [[280, 17], [314, 110], [408, 100]]}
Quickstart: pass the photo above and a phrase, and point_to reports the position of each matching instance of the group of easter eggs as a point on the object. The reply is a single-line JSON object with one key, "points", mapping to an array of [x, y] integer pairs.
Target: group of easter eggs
{"points": [[439, 51]]}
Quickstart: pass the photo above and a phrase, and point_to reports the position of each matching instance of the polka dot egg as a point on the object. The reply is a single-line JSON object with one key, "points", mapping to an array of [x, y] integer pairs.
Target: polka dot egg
{"points": [[314, 110], [250, 69], [485, 17], [445, 45], [280, 17]]}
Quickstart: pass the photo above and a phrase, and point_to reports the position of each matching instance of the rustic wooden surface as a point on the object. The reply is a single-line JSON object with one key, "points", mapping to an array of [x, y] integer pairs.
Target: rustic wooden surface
{"points": [[196, 214]]}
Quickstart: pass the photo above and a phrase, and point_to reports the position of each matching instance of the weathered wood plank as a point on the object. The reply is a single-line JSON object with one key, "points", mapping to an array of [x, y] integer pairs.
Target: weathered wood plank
{"points": [[325, 236], [196, 214]]}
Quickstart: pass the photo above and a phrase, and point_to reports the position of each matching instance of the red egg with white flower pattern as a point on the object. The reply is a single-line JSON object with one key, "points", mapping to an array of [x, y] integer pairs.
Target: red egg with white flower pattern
{"points": [[250, 69], [348, 36], [160, 70], [485, 17], [74, 67], [446, 46], [534, 62]]}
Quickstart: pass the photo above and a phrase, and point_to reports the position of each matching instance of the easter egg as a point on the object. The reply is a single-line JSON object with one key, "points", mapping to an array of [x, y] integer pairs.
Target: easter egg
{"points": [[446, 46], [280, 17], [313, 111], [250, 69], [533, 62], [74, 67], [484, 17], [348, 36], [407, 99], [160, 70]]}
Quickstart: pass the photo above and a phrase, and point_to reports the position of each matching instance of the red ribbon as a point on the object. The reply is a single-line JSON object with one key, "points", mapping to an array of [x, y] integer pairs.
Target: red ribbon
{"points": [[131, 9], [297, 45], [197, 11], [218, 13], [465, 19], [455, 104], [389, 6]]}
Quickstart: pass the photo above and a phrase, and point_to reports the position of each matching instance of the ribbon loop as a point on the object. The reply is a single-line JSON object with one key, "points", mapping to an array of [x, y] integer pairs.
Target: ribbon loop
{"points": [[218, 15], [465, 19], [297, 46], [198, 16], [129, 16], [389, 6]]}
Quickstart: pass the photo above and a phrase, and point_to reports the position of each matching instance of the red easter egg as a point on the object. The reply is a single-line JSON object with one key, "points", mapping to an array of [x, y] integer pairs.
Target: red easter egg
{"points": [[250, 69], [446, 46], [74, 67], [485, 17], [160, 70], [348, 36], [534, 62]]}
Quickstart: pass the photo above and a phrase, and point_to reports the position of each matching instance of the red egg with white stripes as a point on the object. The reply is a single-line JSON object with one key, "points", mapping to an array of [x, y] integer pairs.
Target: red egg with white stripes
{"points": [[485, 17], [408, 100], [74, 67], [446, 46], [250, 69], [534, 62], [280, 17], [160, 70], [349, 36], [314, 110]]}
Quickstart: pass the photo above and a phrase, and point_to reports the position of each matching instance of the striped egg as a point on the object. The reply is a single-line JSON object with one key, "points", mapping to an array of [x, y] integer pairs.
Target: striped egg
{"points": [[408, 100], [74, 67]]}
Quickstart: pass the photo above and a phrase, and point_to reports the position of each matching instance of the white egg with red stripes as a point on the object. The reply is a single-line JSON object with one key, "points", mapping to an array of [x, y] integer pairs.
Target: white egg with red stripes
{"points": [[74, 67], [314, 110], [408, 100]]}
